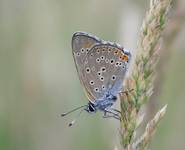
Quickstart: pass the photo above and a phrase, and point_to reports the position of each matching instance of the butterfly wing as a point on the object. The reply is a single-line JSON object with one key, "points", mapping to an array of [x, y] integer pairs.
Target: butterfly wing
{"points": [[81, 44], [108, 65]]}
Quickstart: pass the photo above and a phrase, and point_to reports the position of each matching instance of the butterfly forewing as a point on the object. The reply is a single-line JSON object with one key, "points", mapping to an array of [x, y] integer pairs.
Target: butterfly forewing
{"points": [[81, 45]]}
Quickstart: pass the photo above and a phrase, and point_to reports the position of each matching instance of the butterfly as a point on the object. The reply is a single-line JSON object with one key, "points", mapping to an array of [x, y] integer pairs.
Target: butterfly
{"points": [[102, 68]]}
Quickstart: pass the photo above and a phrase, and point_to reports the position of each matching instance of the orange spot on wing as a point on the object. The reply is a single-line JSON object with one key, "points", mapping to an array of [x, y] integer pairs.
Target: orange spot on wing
{"points": [[115, 51], [125, 58]]}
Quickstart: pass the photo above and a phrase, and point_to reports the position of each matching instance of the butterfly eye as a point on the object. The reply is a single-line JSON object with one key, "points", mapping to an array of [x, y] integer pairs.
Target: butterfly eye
{"points": [[87, 50]]}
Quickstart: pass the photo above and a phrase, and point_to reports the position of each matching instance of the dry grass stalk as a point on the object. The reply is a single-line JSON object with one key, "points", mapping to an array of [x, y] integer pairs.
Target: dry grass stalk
{"points": [[143, 71], [144, 140], [175, 25]]}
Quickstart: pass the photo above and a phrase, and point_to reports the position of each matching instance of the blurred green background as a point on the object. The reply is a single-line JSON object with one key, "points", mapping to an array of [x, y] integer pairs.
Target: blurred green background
{"points": [[38, 79]]}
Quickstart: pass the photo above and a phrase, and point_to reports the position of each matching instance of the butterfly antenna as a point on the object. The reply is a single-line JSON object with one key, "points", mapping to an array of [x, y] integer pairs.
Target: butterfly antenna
{"points": [[64, 114], [73, 122]]}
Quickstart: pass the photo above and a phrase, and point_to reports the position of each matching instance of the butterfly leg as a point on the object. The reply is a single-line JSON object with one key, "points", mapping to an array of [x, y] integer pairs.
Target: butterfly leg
{"points": [[115, 110], [114, 115], [126, 91]]}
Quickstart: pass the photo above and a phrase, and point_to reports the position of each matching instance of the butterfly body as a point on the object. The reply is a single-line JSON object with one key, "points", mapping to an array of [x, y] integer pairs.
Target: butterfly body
{"points": [[101, 68], [101, 104]]}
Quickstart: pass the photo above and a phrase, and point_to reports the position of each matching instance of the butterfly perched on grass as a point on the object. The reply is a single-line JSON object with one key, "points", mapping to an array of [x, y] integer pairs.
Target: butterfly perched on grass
{"points": [[101, 68]]}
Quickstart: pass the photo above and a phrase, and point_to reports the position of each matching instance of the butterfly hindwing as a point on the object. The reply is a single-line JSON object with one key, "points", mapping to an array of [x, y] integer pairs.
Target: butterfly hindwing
{"points": [[107, 64]]}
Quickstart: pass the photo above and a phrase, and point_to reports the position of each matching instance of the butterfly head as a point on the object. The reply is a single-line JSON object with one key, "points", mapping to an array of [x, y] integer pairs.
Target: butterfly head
{"points": [[91, 107]]}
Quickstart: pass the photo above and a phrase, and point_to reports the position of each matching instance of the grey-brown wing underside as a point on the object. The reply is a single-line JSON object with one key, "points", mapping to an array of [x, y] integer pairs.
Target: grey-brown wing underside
{"points": [[81, 45], [108, 65]]}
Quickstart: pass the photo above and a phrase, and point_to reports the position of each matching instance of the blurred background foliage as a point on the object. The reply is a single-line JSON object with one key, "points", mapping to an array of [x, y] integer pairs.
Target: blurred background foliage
{"points": [[38, 79]]}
